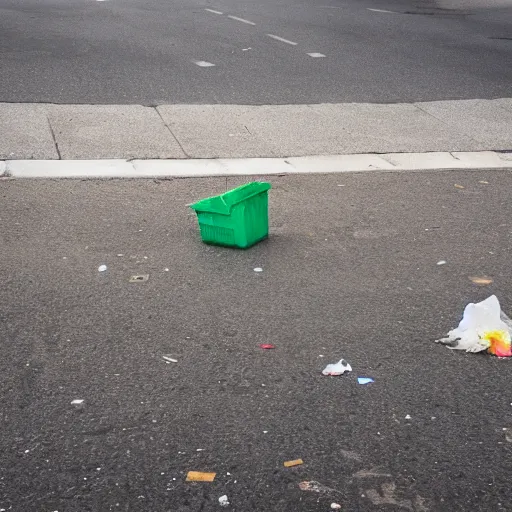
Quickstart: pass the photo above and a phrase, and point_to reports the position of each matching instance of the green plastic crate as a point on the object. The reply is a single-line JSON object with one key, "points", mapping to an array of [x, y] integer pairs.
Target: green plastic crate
{"points": [[237, 218]]}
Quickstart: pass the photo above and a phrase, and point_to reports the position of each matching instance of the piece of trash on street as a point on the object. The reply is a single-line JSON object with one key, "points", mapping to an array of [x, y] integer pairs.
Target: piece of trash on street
{"points": [[483, 182], [315, 486], [458, 186], [245, 49], [139, 278], [170, 359], [484, 326], [408, 417], [258, 269], [508, 435], [236, 218], [223, 501], [199, 476], [335, 506], [481, 281], [364, 380], [291, 463], [77, 402], [338, 368], [442, 262], [102, 268], [267, 346]]}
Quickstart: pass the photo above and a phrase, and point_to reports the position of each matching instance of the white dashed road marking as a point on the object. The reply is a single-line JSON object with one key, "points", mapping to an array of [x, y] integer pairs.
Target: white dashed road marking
{"points": [[203, 63], [316, 55], [241, 19], [277, 38], [214, 11], [381, 10]]}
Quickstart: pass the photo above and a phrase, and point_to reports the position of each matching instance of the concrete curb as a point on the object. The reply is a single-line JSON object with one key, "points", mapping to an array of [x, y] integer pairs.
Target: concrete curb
{"points": [[97, 169]]}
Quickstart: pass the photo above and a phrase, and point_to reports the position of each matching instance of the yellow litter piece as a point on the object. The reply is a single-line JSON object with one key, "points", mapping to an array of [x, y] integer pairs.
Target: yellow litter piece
{"points": [[291, 463], [199, 476]]}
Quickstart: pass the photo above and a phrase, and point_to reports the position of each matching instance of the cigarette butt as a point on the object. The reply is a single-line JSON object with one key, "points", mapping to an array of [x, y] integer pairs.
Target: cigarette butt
{"points": [[199, 476], [291, 463]]}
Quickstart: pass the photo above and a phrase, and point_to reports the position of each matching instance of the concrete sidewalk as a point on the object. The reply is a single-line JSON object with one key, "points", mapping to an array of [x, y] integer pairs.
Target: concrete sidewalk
{"points": [[48, 131]]}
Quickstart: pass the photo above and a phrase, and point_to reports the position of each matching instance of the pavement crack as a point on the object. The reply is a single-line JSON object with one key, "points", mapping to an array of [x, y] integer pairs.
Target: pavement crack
{"points": [[54, 138], [171, 132]]}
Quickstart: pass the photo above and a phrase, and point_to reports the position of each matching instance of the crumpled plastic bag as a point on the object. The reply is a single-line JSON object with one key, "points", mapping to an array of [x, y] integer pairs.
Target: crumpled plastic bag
{"points": [[338, 368], [483, 327]]}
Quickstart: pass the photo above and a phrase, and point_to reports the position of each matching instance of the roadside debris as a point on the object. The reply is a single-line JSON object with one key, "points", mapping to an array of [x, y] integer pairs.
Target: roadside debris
{"points": [[236, 218], [335, 506], [170, 359], [364, 380], [246, 49], [314, 486], [139, 278], [267, 346], [508, 435], [458, 186], [291, 463], [483, 327], [483, 182], [199, 476], [481, 281], [258, 269], [102, 268], [442, 262], [77, 402], [408, 417], [338, 368], [223, 501]]}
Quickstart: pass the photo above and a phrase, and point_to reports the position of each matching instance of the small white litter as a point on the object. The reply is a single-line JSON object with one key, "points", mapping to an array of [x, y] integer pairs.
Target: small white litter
{"points": [[408, 417], [223, 501], [338, 368], [258, 269], [102, 268], [170, 359], [77, 402], [442, 262]]}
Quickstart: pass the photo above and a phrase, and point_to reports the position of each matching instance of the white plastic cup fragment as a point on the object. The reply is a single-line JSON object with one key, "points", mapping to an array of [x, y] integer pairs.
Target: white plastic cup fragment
{"points": [[102, 268], [338, 368]]}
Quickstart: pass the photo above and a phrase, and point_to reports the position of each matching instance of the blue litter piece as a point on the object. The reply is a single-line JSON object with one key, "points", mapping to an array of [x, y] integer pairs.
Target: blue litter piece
{"points": [[364, 380]]}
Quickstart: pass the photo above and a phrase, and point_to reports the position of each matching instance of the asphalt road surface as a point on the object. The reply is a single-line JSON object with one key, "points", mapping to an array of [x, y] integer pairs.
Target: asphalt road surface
{"points": [[253, 52], [349, 271]]}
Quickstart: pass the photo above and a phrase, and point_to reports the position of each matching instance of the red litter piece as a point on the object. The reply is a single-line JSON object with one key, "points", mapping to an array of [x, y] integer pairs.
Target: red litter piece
{"points": [[267, 346]]}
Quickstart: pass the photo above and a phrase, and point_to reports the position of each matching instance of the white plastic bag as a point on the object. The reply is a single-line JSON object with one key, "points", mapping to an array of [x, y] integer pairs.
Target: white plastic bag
{"points": [[483, 327], [338, 368]]}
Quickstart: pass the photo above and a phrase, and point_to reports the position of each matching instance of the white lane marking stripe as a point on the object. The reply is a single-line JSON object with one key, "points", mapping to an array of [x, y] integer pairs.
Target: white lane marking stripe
{"points": [[241, 19], [316, 55], [277, 38], [381, 10], [214, 11], [203, 63]]}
